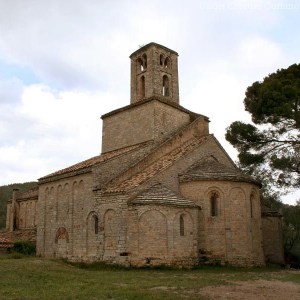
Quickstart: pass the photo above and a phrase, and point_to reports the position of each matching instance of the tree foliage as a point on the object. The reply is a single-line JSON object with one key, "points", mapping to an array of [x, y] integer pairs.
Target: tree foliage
{"points": [[23, 247], [291, 228], [271, 146]]}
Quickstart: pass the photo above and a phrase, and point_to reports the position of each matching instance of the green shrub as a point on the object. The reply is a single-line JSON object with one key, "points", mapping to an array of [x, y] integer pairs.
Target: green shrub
{"points": [[23, 247]]}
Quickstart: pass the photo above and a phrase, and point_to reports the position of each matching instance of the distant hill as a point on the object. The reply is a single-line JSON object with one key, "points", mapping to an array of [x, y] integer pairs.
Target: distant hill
{"points": [[6, 194]]}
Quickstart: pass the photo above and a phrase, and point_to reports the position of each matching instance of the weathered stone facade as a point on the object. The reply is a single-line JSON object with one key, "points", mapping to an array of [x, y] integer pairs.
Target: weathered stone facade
{"points": [[163, 191]]}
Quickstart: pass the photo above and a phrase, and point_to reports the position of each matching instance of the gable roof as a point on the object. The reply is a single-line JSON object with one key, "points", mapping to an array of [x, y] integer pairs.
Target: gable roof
{"points": [[211, 169], [160, 195], [7, 238], [154, 98], [143, 48], [95, 160], [30, 194], [161, 164]]}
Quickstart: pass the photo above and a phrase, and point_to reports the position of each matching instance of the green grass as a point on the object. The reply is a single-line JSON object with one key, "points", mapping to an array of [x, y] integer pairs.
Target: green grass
{"points": [[36, 278]]}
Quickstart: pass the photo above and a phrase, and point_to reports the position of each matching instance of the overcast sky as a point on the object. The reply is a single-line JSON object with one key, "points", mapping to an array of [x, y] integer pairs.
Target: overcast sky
{"points": [[64, 63]]}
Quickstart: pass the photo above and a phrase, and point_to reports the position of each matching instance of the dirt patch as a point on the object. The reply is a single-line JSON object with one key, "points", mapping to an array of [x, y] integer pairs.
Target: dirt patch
{"points": [[258, 290]]}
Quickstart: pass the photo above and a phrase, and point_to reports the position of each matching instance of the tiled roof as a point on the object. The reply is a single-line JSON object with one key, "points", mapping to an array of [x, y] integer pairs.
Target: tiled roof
{"points": [[160, 195], [154, 98], [7, 238], [150, 44], [213, 170], [271, 213], [161, 164], [32, 193], [95, 160]]}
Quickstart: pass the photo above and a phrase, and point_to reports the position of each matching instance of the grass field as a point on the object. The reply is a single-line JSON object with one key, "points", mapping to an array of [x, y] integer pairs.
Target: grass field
{"points": [[37, 278]]}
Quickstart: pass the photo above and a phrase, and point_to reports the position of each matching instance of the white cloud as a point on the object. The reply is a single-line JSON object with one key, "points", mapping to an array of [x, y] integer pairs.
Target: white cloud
{"points": [[53, 130], [10, 90], [260, 55], [219, 94]]}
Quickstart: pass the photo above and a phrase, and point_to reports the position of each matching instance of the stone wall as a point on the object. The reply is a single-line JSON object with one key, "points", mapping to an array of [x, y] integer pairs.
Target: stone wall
{"points": [[153, 120], [157, 62], [27, 214], [162, 235], [232, 235], [112, 215], [8, 214], [273, 239], [63, 213], [168, 120]]}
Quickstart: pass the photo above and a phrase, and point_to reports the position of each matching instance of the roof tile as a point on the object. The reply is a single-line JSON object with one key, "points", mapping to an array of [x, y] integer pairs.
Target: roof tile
{"points": [[160, 195], [7, 238], [211, 169], [95, 160], [163, 163]]}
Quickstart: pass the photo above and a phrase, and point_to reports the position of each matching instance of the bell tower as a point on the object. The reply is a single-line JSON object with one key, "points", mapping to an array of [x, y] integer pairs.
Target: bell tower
{"points": [[154, 72]]}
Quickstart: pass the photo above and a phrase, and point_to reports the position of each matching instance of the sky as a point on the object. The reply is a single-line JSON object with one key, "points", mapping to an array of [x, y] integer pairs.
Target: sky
{"points": [[63, 64]]}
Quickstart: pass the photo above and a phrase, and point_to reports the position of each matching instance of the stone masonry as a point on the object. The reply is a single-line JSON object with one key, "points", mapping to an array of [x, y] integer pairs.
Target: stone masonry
{"points": [[163, 191]]}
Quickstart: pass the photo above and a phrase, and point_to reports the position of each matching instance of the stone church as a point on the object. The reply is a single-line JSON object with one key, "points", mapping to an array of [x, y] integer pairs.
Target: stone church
{"points": [[163, 191]]}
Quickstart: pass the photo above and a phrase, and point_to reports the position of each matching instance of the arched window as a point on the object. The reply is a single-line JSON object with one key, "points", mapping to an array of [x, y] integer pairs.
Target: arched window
{"points": [[142, 87], [252, 197], [140, 64], [213, 204], [144, 59], [181, 225], [167, 63], [96, 220], [166, 90], [161, 60]]}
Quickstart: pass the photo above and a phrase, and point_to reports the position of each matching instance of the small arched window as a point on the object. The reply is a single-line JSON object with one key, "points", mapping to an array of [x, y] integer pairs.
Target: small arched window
{"points": [[161, 60], [96, 220], [213, 204], [252, 197], [181, 225], [142, 87], [144, 59], [167, 63], [166, 89], [140, 64]]}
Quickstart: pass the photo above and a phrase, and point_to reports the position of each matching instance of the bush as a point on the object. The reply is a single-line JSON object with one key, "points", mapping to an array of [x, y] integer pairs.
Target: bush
{"points": [[23, 247]]}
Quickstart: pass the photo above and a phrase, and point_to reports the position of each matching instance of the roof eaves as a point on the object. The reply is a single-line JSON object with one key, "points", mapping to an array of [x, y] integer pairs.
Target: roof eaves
{"points": [[143, 48], [154, 98], [114, 190]]}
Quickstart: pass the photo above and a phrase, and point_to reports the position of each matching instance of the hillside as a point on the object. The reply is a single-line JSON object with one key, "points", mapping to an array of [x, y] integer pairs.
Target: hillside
{"points": [[6, 193]]}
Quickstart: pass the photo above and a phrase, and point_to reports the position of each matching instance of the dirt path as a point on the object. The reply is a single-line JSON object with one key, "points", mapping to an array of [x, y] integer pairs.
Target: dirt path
{"points": [[258, 290]]}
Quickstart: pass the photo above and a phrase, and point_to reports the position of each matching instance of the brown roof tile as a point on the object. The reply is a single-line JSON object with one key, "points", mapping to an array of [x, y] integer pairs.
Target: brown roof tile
{"points": [[160, 195], [211, 169], [95, 160], [30, 194], [7, 238], [163, 163]]}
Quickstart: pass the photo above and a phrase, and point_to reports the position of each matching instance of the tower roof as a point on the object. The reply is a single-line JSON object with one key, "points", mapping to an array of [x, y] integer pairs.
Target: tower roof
{"points": [[152, 44]]}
